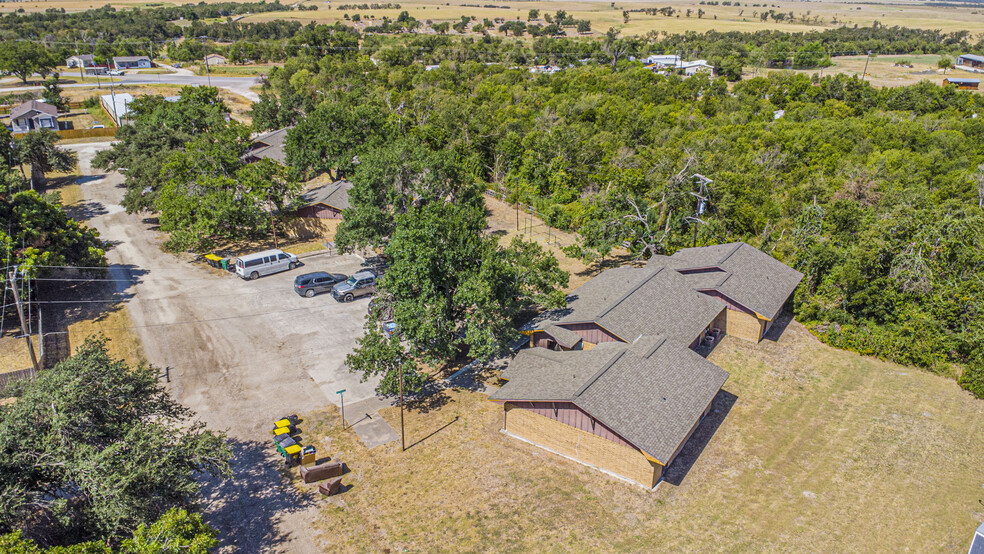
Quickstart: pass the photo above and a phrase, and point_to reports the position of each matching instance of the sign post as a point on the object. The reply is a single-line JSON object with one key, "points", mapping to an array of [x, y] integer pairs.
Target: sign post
{"points": [[342, 394]]}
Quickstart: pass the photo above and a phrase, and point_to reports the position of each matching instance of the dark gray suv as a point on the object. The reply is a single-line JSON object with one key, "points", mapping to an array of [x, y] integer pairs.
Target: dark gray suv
{"points": [[310, 284]]}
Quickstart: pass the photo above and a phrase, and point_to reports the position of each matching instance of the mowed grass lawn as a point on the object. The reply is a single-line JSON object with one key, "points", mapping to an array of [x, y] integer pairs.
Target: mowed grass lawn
{"points": [[820, 450]]}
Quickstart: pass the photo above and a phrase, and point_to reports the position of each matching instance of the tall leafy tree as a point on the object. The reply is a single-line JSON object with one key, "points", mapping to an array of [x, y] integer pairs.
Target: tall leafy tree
{"points": [[453, 290], [159, 128], [392, 179], [37, 149], [25, 58], [329, 139], [99, 448]]}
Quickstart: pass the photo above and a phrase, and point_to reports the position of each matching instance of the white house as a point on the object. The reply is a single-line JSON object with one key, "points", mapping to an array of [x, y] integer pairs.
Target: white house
{"points": [[81, 60]]}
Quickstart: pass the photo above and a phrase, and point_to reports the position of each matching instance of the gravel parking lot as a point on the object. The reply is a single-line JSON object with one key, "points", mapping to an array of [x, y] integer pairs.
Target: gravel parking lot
{"points": [[239, 353]]}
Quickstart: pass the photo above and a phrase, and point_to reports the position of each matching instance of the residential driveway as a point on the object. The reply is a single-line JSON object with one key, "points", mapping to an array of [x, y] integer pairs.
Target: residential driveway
{"points": [[240, 353]]}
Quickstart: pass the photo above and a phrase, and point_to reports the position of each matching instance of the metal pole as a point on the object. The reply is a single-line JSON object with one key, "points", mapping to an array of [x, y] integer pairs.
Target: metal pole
{"points": [[20, 314], [865, 72], [342, 394], [517, 203], [273, 224], [403, 436]]}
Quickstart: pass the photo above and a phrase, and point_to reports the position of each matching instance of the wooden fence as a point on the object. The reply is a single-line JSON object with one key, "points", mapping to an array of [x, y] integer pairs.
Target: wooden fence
{"points": [[7, 379], [87, 133]]}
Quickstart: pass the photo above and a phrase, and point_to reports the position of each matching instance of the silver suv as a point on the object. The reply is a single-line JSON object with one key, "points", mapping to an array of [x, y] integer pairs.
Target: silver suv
{"points": [[361, 284]]}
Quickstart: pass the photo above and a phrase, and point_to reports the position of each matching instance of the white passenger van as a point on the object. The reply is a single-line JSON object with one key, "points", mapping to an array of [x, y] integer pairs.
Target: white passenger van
{"points": [[252, 266]]}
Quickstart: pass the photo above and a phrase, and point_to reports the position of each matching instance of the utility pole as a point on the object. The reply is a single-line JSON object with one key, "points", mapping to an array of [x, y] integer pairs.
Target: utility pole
{"points": [[273, 224], [517, 203], [208, 72], [703, 197], [20, 314], [865, 72]]}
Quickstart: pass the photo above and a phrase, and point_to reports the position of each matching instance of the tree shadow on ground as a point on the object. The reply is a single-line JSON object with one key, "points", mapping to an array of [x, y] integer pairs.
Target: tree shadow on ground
{"points": [[685, 460], [433, 396], [247, 507], [85, 210]]}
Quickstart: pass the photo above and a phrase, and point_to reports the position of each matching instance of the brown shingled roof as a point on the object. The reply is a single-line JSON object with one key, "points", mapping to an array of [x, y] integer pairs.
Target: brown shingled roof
{"points": [[35, 105], [651, 394]]}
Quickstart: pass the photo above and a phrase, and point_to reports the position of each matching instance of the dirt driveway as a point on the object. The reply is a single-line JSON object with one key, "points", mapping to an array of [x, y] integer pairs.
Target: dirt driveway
{"points": [[239, 353]]}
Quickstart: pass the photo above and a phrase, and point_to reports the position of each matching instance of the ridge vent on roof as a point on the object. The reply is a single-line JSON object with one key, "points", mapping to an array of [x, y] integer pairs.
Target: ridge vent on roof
{"points": [[600, 372], [724, 259], [652, 349], [629, 293]]}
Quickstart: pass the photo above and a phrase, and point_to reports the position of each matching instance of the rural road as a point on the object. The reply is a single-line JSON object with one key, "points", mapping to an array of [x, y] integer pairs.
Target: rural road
{"points": [[238, 85], [240, 353]]}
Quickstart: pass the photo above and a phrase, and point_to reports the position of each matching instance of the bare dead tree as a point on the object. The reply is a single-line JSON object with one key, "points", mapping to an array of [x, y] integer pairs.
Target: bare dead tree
{"points": [[978, 178], [650, 238]]}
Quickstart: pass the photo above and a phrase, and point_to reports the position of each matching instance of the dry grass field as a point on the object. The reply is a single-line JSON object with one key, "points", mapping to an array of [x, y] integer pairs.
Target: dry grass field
{"points": [[603, 15], [882, 70], [817, 450]]}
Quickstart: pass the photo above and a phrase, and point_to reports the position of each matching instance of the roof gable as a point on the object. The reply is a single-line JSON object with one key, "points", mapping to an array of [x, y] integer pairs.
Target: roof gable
{"points": [[751, 277], [333, 194], [33, 106], [650, 392]]}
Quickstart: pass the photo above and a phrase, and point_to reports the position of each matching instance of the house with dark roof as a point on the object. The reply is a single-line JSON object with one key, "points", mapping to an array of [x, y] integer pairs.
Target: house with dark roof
{"points": [[977, 543], [32, 115], [269, 146], [613, 380], [326, 201]]}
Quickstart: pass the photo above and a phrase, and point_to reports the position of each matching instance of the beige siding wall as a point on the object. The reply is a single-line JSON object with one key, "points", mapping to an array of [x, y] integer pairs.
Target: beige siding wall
{"points": [[744, 326], [593, 450]]}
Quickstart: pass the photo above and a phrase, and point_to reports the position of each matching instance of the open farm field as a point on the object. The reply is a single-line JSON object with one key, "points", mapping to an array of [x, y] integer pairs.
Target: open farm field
{"points": [[806, 16]]}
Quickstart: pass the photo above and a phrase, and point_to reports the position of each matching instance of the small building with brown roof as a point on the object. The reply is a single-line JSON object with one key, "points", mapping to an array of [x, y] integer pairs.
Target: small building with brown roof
{"points": [[32, 115], [268, 146], [613, 380], [325, 202]]}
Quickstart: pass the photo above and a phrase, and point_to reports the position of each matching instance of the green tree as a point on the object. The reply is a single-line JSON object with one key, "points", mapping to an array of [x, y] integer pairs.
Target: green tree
{"points": [[945, 63], [378, 356], [452, 288], [37, 149], [176, 531], [532, 15], [25, 58], [159, 128], [35, 232], [98, 447], [391, 180], [810, 55], [52, 94], [328, 139]]}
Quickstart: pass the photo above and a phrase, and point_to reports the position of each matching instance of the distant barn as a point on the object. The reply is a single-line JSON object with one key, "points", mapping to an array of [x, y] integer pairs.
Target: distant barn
{"points": [[965, 84]]}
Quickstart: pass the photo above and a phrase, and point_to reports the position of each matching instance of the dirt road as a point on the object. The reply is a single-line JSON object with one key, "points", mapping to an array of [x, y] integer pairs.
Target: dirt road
{"points": [[239, 353]]}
